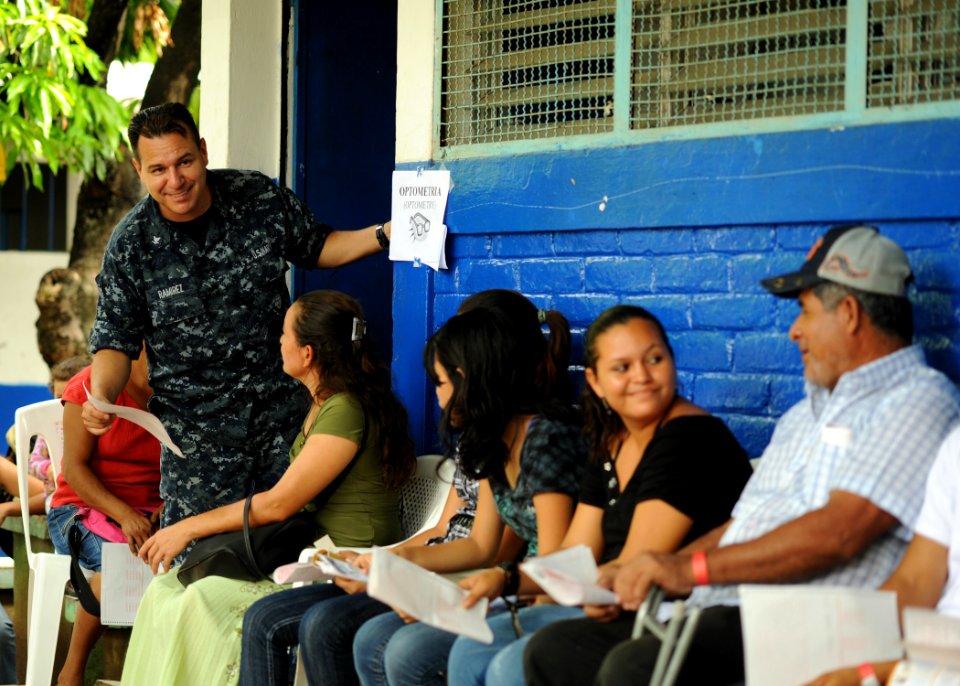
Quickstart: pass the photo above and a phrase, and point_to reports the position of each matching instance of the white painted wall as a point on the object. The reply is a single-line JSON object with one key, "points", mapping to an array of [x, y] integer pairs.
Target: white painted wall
{"points": [[20, 360], [240, 73], [415, 57]]}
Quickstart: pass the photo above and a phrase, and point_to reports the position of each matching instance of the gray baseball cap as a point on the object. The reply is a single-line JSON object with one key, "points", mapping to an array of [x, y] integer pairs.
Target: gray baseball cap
{"points": [[855, 256]]}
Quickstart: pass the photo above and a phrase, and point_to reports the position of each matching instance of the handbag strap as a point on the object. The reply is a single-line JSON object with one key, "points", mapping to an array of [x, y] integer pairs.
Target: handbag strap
{"points": [[85, 594], [251, 558]]}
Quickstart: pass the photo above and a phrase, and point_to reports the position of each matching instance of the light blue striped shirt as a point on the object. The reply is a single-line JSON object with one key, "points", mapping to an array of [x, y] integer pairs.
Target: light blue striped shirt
{"points": [[876, 436]]}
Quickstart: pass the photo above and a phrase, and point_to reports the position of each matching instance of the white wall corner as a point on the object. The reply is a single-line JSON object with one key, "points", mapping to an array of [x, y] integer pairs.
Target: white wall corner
{"points": [[415, 82], [241, 72]]}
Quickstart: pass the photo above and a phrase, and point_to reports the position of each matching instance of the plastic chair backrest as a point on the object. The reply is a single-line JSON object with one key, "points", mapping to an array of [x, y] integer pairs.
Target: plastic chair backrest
{"points": [[45, 419], [424, 495]]}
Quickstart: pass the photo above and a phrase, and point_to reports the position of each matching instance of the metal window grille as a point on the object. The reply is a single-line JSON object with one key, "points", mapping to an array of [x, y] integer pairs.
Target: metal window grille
{"points": [[697, 62], [913, 52], [521, 72], [526, 69]]}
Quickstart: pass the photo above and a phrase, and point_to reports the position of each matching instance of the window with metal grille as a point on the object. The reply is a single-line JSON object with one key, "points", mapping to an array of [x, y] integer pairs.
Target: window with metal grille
{"points": [[529, 70]]}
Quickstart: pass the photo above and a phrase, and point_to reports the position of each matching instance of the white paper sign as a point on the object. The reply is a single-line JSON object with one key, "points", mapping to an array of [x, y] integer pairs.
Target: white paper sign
{"points": [[418, 203], [792, 634], [569, 577], [141, 418], [125, 580], [428, 597]]}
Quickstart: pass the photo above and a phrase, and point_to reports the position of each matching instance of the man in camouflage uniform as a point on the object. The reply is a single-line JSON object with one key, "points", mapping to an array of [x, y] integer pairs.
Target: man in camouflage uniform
{"points": [[197, 269]]}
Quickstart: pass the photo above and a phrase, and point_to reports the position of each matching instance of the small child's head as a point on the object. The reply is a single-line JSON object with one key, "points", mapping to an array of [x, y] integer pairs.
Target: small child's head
{"points": [[64, 370]]}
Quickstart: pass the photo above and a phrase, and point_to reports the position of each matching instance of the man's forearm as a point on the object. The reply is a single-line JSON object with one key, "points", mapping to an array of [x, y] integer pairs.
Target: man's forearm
{"points": [[803, 547], [111, 370], [344, 247]]}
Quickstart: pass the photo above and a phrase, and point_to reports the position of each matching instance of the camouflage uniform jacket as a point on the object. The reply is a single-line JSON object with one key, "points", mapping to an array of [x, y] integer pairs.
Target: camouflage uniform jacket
{"points": [[212, 315]]}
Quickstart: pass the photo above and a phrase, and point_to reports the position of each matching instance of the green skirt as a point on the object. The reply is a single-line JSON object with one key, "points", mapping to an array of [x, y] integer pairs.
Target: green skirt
{"points": [[186, 636]]}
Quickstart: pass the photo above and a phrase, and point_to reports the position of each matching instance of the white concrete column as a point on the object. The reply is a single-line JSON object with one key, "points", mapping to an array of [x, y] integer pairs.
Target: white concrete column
{"points": [[415, 57], [240, 72]]}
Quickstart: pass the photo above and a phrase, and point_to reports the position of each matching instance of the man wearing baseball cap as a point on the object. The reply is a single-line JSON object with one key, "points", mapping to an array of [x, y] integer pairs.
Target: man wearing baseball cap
{"points": [[835, 495]]}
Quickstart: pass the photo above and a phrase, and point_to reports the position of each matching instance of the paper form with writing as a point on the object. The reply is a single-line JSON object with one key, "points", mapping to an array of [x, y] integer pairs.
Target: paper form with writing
{"points": [[141, 418], [125, 579], [428, 597], [932, 642], [418, 203], [569, 577], [792, 634]]}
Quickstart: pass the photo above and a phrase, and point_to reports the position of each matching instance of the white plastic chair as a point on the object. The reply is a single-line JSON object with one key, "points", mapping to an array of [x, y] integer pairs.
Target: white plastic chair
{"points": [[424, 495], [49, 572]]}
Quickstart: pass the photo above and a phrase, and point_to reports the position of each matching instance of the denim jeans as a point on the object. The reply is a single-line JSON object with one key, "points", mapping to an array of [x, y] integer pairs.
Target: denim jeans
{"points": [[8, 650], [270, 629], [326, 637], [500, 663], [320, 617], [387, 651], [59, 521]]}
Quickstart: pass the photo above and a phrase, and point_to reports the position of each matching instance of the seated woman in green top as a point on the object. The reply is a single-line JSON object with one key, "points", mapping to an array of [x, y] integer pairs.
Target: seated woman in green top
{"points": [[346, 465]]}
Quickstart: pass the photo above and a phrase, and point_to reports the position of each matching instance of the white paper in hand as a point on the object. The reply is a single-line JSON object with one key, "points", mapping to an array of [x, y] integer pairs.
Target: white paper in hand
{"points": [[426, 596], [141, 418], [569, 577], [792, 634]]}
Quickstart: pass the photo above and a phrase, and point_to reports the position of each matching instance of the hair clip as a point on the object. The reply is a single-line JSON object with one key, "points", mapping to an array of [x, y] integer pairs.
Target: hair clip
{"points": [[542, 316], [359, 328]]}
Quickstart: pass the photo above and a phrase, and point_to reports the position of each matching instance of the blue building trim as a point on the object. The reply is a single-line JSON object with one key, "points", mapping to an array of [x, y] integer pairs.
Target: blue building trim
{"points": [[863, 173]]}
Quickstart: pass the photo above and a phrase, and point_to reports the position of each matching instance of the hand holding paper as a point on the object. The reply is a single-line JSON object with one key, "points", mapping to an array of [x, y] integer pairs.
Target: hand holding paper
{"points": [[426, 596], [141, 418], [569, 577]]}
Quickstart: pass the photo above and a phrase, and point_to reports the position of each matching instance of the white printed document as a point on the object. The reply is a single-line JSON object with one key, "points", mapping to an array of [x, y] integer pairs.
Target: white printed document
{"points": [[321, 567], [125, 580], [428, 597], [141, 418], [418, 203], [792, 634], [569, 577]]}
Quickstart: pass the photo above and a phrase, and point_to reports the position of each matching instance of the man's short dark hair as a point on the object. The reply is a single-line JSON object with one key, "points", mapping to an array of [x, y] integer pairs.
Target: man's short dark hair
{"points": [[153, 122], [893, 315]]}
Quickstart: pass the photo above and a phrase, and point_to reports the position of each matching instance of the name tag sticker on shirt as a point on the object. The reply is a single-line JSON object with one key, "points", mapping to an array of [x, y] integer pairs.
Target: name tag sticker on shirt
{"points": [[838, 436]]}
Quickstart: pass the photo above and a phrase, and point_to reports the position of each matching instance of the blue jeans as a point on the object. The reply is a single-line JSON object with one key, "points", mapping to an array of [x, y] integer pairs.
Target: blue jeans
{"points": [[8, 650], [386, 651], [59, 521], [500, 663], [321, 617]]}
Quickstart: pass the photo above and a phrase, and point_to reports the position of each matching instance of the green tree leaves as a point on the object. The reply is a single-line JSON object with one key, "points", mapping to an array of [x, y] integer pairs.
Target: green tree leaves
{"points": [[48, 112]]}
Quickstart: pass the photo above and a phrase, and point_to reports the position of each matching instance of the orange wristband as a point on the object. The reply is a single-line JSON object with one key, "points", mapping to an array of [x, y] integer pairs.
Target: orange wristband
{"points": [[698, 562], [868, 677]]}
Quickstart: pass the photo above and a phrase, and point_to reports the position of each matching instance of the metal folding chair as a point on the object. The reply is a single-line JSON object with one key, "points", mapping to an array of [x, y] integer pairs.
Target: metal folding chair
{"points": [[675, 635]]}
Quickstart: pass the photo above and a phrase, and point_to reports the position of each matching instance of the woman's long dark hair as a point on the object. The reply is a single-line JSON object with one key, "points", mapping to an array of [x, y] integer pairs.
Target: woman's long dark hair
{"points": [[495, 363], [601, 426], [553, 352], [327, 321]]}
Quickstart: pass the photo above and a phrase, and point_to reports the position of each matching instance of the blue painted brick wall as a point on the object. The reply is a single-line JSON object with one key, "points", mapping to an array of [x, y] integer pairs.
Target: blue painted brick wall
{"points": [[730, 336]]}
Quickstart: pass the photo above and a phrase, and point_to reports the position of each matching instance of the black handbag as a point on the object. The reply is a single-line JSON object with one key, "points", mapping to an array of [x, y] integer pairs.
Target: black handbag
{"points": [[251, 554]]}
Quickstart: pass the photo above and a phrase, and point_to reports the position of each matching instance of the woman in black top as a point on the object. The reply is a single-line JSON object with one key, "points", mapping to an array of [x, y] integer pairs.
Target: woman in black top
{"points": [[662, 472]]}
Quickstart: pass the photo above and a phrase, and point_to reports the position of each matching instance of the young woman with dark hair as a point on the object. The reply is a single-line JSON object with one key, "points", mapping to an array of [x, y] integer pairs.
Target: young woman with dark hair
{"points": [[347, 464], [662, 473], [523, 444]]}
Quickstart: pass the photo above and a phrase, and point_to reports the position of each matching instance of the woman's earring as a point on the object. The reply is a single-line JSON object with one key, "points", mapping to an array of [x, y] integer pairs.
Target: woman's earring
{"points": [[606, 406]]}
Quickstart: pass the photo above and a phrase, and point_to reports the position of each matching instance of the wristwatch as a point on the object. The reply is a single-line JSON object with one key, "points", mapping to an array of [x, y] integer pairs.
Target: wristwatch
{"points": [[382, 237]]}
